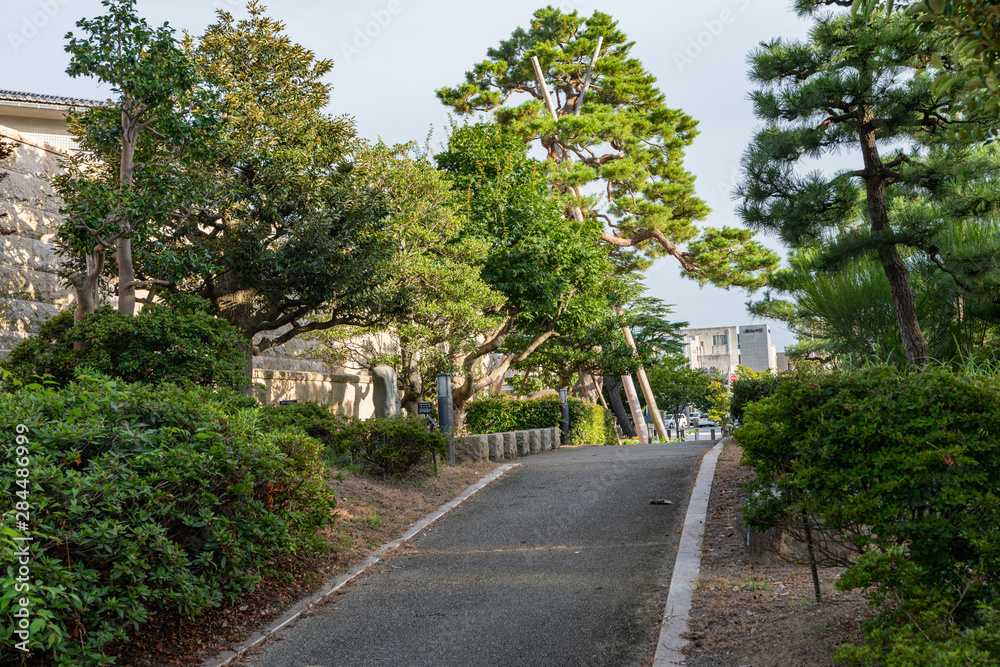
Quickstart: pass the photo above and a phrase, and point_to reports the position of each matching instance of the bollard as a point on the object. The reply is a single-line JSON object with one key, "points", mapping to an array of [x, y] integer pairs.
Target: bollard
{"points": [[670, 434], [446, 412], [564, 412], [713, 433]]}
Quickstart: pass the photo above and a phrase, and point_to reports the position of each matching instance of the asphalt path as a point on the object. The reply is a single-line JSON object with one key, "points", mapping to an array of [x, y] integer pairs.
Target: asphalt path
{"points": [[556, 563]]}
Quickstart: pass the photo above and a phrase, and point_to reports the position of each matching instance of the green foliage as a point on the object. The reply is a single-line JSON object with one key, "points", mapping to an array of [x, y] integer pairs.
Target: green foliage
{"points": [[927, 639], [159, 344], [750, 387], [144, 153], [719, 398], [628, 144], [858, 77], [144, 499], [590, 424], [905, 466], [387, 447], [675, 384], [311, 418]]}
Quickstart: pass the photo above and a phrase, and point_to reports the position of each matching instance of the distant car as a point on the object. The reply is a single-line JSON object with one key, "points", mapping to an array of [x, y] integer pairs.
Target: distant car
{"points": [[682, 421], [705, 420]]}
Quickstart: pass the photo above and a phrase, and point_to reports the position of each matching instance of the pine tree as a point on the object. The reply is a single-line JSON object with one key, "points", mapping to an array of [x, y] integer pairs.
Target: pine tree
{"points": [[857, 86], [621, 138]]}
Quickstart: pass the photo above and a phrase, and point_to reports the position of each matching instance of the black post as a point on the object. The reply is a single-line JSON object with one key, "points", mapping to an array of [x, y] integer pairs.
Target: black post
{"points": [[564, 400], [446, 412]]}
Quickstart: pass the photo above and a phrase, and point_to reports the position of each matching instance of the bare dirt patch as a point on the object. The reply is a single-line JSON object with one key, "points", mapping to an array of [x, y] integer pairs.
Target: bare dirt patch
{"points": [[370, 512], [762, 613]]}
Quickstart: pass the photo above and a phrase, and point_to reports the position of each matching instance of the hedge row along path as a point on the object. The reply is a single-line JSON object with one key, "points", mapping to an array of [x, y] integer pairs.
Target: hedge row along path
{"points": [[559, 562]]}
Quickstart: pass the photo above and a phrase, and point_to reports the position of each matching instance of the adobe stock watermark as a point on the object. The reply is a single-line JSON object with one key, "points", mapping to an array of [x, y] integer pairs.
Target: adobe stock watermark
{"points": [[36, 19], [713, 30]]}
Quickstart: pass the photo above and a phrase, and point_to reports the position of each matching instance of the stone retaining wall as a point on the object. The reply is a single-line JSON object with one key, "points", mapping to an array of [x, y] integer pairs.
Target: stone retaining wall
{"points": [[502, 446], [350, 395]]}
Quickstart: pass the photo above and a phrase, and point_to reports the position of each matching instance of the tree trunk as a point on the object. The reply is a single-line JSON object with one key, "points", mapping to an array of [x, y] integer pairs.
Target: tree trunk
{"points": [[586, 388], [896, 271], [647, 391], [633, 406], [126, 276], [123, 252], [411, 379], [614, 386], [87, 286]]}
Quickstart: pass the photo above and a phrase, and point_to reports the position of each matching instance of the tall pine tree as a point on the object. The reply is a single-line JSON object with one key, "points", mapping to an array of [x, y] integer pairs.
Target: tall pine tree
{"points": [[857, 86], [619, 138]]}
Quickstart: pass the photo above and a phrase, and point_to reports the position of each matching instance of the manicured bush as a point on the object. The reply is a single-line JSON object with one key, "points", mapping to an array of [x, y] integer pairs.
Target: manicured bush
{"points": [[907, 465], [387, 447], [312, 418], [750, 386], [590, 424], [500, 413], [141, 499], [158, 344]]}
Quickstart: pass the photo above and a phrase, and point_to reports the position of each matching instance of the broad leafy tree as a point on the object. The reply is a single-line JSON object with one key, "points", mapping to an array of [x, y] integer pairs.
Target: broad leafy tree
{"points": [[617, 158], [141, 147], [487, 269]]}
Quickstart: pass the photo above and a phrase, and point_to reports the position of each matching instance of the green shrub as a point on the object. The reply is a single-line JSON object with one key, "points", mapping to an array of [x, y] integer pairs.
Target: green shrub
{"points": [[387, 447], [144, 498], [500, 413], [312, 418], [159, 344], [590, 424], [751, 386], [906, 464]]}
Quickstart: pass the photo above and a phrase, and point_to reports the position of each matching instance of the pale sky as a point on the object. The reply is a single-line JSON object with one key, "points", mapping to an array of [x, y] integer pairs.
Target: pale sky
{"points": [[390, 56]]}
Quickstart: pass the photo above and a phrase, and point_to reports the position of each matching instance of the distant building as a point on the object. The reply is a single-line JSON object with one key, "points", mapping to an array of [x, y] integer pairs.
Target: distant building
{"points": [[783, 363], [720, 350]]}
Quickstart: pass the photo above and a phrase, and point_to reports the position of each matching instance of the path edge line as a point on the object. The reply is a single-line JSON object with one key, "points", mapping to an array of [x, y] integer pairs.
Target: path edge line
{"points": [[670, 645], [332, 585]]}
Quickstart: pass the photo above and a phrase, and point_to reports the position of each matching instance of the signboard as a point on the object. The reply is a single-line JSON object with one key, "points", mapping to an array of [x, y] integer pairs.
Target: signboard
{"points": [[293, 402], [733, 377], [425, 408]]}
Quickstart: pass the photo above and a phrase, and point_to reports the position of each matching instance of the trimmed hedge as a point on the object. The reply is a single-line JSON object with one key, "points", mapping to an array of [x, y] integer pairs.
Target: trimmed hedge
{"points": [[908, 466], [590, 424], [158, 344], [387, 447], [142, 498], [378, 447], [750, 387]]}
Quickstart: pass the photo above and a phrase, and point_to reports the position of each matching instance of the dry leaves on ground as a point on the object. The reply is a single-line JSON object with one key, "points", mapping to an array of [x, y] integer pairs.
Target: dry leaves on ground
{"points": [[761, 612]]}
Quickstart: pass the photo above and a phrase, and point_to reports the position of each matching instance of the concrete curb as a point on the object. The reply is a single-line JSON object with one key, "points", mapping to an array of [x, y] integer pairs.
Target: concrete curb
{"points": [[669, 647], [303, 606]]}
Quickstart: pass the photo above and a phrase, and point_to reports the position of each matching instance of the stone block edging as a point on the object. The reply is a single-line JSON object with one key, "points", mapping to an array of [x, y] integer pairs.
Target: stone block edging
{"points": [[507, 445]]}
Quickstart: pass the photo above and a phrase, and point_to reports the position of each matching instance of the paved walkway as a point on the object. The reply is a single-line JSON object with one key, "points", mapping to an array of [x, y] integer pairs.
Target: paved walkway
{"points": [[556, 563]]}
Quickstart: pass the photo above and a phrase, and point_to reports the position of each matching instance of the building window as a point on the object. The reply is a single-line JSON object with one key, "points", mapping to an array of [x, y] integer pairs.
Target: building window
{"points": [[720, 340]]}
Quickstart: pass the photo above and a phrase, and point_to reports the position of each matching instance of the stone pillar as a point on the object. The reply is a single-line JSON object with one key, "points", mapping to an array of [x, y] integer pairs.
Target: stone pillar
{"points": [[496, 446], [556, 435], [546, 439], [509, 445], [522, 443], [534, 441], [473, 448], [386, 394]]}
